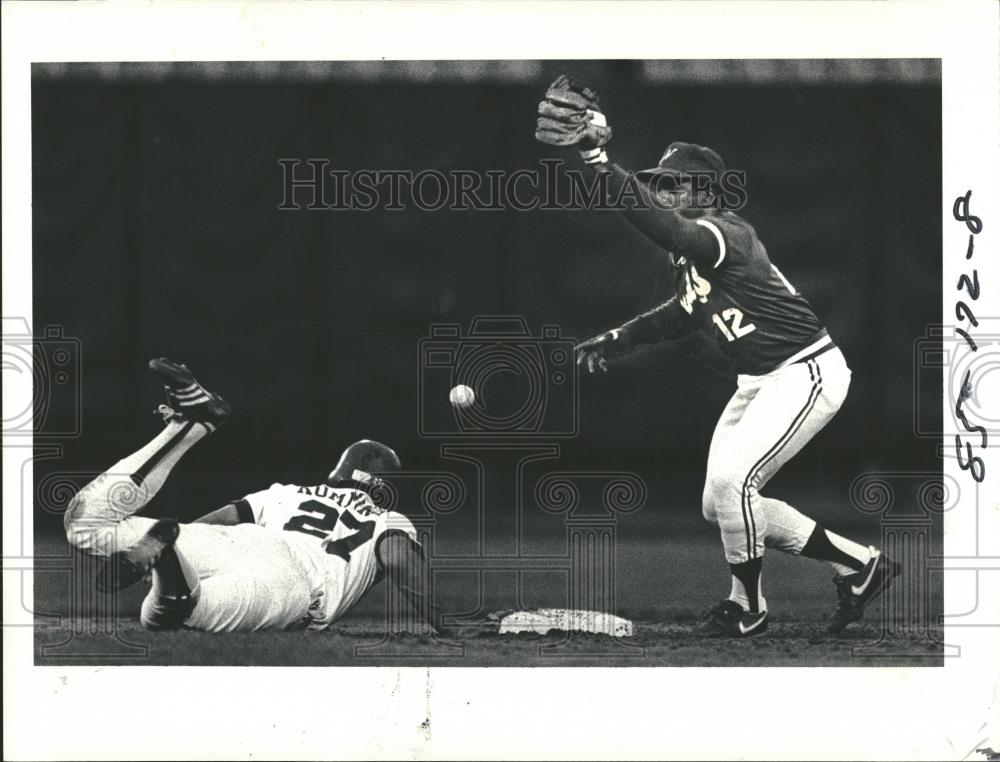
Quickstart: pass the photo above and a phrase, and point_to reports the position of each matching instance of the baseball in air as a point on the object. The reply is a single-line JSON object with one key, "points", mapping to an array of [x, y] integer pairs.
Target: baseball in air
{"points": [[462, 396]]}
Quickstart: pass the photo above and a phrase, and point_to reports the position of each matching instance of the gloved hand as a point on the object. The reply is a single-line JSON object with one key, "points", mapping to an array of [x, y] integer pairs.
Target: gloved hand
{"points": [[571, 116], [595, 352]]}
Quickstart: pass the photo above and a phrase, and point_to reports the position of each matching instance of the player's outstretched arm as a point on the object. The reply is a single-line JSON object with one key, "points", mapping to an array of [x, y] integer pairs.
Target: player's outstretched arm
{"points": [[667, 228], [407, 569], [571, 116], [663, 323]]}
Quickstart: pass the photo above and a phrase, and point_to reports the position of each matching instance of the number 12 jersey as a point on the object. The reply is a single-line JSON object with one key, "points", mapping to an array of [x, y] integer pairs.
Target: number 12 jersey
{"points": [[757, 317]]}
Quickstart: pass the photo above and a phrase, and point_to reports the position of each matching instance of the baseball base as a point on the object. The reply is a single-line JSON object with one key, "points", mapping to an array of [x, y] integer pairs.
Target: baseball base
{"points": [[571, 620]]}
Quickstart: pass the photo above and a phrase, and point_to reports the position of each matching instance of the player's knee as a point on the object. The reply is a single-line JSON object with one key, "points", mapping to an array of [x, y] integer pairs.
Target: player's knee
{"points": [[70, 516], [708, 500], [91, 516], [720, 492], [79, 529], [731, 523], [708, 510]]}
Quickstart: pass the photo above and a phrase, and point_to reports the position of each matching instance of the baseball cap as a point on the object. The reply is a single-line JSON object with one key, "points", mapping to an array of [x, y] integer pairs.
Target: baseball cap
{"points": [[684, 159]]}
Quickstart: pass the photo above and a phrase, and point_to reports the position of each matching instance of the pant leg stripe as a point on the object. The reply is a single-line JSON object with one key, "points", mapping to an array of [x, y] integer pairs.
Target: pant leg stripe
{"points": [[818, 387], [785, 438], [143, 471]]}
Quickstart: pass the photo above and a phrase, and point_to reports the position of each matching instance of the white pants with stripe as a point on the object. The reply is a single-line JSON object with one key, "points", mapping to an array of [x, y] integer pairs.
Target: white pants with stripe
{"points": [[767, 421], [249, 577]]}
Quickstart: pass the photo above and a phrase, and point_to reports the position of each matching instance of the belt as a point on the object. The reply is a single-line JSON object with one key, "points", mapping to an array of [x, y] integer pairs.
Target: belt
{"points": [[818, 352], [818, 347]]}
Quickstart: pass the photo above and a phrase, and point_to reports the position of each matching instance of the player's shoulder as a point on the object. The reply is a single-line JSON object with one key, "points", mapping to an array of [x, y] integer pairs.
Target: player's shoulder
{"points": [[730, 223], [396, 519], [268, 493], [282, 492], [282, 488], [736, 238], [391, 523]]}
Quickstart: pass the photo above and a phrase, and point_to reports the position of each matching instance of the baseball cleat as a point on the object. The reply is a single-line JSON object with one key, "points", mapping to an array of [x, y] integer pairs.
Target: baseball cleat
{"points": [[126, 567], [856, 590], [730, 620], [187, 400]]}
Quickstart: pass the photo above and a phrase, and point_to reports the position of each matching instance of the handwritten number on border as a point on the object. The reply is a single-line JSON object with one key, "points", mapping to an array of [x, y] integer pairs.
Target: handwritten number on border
{"points": [[966, 460]]}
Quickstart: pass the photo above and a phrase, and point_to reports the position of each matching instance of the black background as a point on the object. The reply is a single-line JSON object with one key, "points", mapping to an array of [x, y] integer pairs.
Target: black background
{"points": [[157, 232]]}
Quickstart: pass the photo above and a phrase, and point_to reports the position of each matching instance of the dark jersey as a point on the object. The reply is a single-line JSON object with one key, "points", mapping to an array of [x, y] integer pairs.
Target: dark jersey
{"points": [[755, 314]]}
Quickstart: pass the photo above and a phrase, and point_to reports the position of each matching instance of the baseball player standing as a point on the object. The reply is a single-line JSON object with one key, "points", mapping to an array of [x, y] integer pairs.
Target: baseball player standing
{"points": [[792, 377]]}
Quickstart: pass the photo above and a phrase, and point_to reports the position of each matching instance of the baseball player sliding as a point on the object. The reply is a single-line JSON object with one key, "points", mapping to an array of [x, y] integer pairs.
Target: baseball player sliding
{"points": [[792, 377]]}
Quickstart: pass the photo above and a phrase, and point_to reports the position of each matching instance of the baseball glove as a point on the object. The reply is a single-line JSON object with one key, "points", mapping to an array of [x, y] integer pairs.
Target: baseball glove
{"points": [[571, 116]]}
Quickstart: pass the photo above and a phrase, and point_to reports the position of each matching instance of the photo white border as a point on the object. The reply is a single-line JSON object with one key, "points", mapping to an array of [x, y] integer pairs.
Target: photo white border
{"points": [[583, 713]]}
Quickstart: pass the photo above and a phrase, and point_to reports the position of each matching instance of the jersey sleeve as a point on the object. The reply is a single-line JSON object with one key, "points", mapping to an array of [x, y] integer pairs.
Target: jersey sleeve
{"points": [[251, 507], [732, 237], [397, 522], [392, 525]]}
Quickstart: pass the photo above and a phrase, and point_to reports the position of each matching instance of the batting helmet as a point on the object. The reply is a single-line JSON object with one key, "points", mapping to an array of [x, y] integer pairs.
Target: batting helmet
{"points": [[367, 457]]}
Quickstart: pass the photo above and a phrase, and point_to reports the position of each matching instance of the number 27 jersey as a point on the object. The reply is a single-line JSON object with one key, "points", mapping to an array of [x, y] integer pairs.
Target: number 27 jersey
{"points": [[335, 532]]}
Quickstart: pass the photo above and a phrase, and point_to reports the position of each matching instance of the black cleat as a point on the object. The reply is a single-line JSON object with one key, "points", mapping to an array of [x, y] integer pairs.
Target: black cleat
{"points": [[126, 567], [856, 590], [730, 620], [187, 400]]}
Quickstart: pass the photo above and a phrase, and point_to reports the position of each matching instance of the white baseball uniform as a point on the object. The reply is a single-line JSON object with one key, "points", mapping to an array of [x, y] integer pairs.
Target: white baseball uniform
{"points": [[308, 556], [334, 531]]}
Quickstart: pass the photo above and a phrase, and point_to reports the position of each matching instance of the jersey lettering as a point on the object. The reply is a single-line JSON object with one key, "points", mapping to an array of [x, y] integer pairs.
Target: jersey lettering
{"points": [[318, 526], [695, 288], [331, 531], [362, 534], [323, 525], [343, 498], [730, 322], [749, 308]]}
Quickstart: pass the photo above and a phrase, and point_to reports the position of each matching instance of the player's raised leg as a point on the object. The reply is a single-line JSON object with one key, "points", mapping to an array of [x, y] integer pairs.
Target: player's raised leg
{"points": [[861, 572], [856, 585], [100, 518]]}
